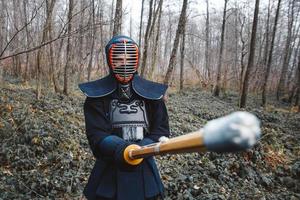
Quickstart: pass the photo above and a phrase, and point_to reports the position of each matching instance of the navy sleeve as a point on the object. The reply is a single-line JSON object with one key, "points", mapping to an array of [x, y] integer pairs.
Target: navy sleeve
{"points": [[96, 122], [159, 120], [98, 130]]}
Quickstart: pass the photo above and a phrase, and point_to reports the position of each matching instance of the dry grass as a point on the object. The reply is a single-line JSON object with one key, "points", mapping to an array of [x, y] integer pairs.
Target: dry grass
{"points": [[274, 157]]}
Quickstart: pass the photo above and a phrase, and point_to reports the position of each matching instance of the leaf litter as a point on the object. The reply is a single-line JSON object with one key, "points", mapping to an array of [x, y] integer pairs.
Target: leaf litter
{"points": [[44, 152]]}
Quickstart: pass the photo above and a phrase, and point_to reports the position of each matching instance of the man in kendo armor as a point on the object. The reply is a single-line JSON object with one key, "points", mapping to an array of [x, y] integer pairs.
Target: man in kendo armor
{"points": [[122, 109]]}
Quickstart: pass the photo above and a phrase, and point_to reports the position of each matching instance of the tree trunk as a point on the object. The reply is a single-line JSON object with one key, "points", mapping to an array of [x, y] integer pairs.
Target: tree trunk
{"points": [[49, 8], [118, 18], [168, 36], [149, 31], [58, 64], [102, 47], [25, 2], [216, 91], [243, 54], [207, 41], [146, 39], [130, 24], [93, 33], [68, 53], [286, 58], [266, 50], [2, 24], [15, 43], [111, 25], [198, 73], [297, 102], [294, 80], [3, 34], [179, 31], [236, 42], [267, 73], [244, 93], [141, 23], [154, 57], [182, 55], [52, 67], [52, 64]]}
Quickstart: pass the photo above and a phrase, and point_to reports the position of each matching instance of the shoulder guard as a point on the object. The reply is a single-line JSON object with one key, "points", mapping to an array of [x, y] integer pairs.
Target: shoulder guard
{"points": [[107, 85], [148, 89], [99, 88]]}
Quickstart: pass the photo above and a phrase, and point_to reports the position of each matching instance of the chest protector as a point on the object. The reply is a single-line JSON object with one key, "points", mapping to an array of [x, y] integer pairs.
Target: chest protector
{"points": [[131, 117]]}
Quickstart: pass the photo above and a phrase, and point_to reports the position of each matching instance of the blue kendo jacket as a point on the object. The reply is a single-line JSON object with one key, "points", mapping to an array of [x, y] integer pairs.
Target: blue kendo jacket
{"points": [[109, 180]]}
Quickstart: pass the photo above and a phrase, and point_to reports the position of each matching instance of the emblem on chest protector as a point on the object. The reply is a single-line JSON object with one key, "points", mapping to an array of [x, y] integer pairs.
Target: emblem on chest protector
{"points": [[131, 117]]}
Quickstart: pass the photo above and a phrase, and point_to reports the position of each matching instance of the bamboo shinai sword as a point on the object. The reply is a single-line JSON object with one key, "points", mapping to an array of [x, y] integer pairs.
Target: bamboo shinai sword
{"points": [[235, 132]]}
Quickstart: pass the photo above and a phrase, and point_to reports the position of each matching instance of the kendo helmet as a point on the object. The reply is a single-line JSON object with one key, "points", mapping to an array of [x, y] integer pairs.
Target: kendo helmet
{"points": [[122, 54]]}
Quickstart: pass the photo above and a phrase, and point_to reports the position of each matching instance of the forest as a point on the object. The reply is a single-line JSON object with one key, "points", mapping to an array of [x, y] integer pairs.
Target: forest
{"points": [[216, 57]]}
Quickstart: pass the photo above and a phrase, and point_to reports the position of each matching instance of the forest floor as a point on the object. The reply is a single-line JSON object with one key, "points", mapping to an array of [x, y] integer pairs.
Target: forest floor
{"points": [[44, 153]]}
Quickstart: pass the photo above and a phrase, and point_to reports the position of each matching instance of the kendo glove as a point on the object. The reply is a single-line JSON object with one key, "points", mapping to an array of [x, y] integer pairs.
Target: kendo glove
{"points": [[145, 141], [114, 146]]}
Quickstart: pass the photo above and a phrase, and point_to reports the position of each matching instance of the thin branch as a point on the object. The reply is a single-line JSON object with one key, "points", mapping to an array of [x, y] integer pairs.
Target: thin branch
{"points": [[19, 30], [60, 36]]}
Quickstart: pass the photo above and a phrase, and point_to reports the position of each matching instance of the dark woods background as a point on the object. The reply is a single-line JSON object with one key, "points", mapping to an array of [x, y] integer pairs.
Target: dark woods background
{"points": [[242, 46]]}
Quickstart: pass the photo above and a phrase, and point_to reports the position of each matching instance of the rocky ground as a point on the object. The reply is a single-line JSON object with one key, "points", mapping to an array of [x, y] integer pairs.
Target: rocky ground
{"points": [[44, 153]]}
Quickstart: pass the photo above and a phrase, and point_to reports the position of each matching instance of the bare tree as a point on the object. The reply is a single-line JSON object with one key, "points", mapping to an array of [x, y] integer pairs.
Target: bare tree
{"points": [[92, 34], [286, 58], [79, 49], [292, 82], [169, 34], [130, 24], [2, 34], [158, 33], [297, 102], [25, 2], [16, 33], [49, 11], [267, 33], [16, 59], [207, 41], [118, 18], [267, 73], [216, 91], [102, 45], [141, 23], [149, 31], [243, 51], [147, 35], [179, 31], [236, 39], [182, 46], [68, 50], [52, 73], [111, 24], [245, 87], [2, 24]]}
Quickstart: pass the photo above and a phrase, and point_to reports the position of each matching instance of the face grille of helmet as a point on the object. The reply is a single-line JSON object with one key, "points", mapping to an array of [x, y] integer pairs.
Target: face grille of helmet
{"points": [[123, 58]]}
